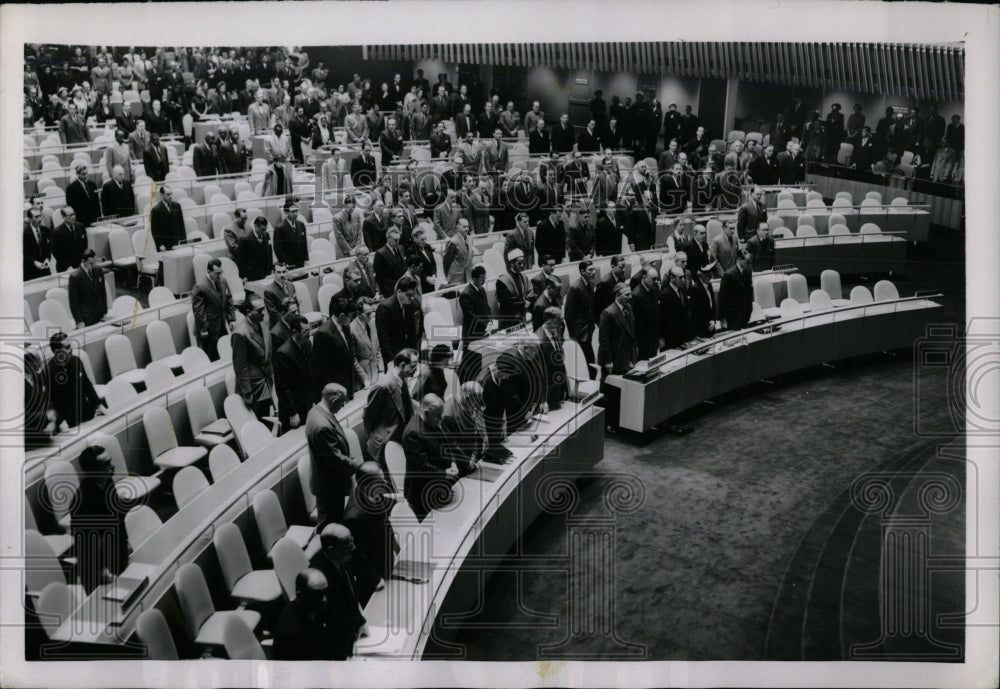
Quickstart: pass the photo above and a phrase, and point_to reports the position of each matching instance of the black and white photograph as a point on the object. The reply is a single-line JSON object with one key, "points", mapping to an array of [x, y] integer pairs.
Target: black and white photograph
{"points": [[580, 344]]}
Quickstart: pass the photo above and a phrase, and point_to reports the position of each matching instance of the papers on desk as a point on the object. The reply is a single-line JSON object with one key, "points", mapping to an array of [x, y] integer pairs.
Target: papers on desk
{"points": [[486, 472], [412, 571]]}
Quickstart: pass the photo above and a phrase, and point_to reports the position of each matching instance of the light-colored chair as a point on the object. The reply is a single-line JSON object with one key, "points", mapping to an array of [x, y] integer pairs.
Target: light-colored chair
{"points": [[242, 581], [130, 488], [577, 371], [271, 525], [860, 296], [141, 522], [163, 447], [875, 196], [224, 346], [160, 296], [763, 295], [120, 246], [885, 291], [790, 308], [207, 429], [805, 231], [154, 633], [819, 300], [289, 561], [42, 567], [199, 264], [61, 486], [59, 543], [55, 605], [54, 312], [807, 220], [204, 623], [304, 470], [161, 346], [829, 281], [845, 195], [125, 306], [188, 484], [798, 288], [221, 460], [239, 641], [158, 377], [60, 295], [870, 228], [194, 359], [119, 392], [839, 229], [255, 434], [147, 259]]}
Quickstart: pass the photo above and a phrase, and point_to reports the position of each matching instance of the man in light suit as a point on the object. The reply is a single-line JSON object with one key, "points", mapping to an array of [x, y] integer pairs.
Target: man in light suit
{"points": [[458, 253], [293, 377], [329, 455], [724, 249], [498, 155], [347, 228], [138, 140], [617, 350], [389, 405], [368, 285], [366, 349], [446, 216], [212, 304], [334, 357], [252, 357], [521, 237], [73, 127], [259, 113], [118, 154], [751, 214]]}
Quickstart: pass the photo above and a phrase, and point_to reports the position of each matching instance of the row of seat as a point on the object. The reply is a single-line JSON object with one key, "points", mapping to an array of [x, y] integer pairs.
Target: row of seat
{"points": [[814, 200], [807, 230]]}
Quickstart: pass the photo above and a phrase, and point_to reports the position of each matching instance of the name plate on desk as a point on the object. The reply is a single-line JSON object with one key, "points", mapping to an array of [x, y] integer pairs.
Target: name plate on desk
{"points": [[513, 329], [590, 399]]}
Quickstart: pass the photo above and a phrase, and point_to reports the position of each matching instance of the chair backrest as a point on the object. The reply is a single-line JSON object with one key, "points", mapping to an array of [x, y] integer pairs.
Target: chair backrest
{"points": [[61, 485], [576, 364], [323, 244], [193, 596], [200, 266], [870, 203], [158, 376], [289, 560], [221, 460], [143, 245], [304, 296], [255, 434], [159, 431], [119, 392], [237, 413], [304, 468], [153, 632], [839, 229], [224, 346], [54, 607], [125, 306], [807, 220], [200, 410], [60, 295], [234, 561], [885, 291], [114, 449], [861, 295], [805, 231], [194, 359], [900, 201], [774, 223], [785, 203], [782, 233], [816, 203], [141, 522], [54, 312], [120, 244], [841, 202], [757, 313], [395, 460], [813, 196], [161, 296], [870, 228], [43, 329], [161, 340], [837, 219], [335, 280], [271, 524], [188, 484], [873, 195], [763, 293], [829, 281], [41, 567], [230, 382], [239, 640], [819, 300], [790, 308], [323, 296], [845, 195]]}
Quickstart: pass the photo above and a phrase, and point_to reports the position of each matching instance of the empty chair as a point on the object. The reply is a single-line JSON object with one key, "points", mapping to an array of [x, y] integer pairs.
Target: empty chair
{"points": [[786, 196], [60, 295], [807, 220], [255, 434], [61, 486], [323, 296], [42, 567], [130, 488], [323, 244], [870, 203], [154, 633], [819, 300], [841, 203], [232, 275], [119, 392], [306, 305], [790, 308], [813, 196], [805, 231], [54, 312], [861, 295], [230, 382], [125, 306], [239, 416], [304, 470], [317, 257], [121, 359], [161, 346], [203, 622], [900, 201], [845, 195], [798, 289], [243, 582], [885, 291], [239, 641], [147, 260], [735, 135], [837, 219], [354, 443], [160, 296], [395, 461], [580, 382], [816, 203], [829, 281], [875, 196], [782, 233], [870, 228], [199, 263], [757, 314], [141, 522], [163, 447], [43, 329], [271, 524], [224, 346], [289, 561], [845, 153], [120, 246], [334, 279], [59, 543], [839, 229], [221, 460], [322, 215], [188, 484], [774, 223], [206, 427], [786, 203], [56, 604], [220, 221], [194, 359], [763, 294]]}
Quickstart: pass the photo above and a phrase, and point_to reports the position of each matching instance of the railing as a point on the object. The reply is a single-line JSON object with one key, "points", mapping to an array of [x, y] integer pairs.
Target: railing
{"points": [[944, 190]]}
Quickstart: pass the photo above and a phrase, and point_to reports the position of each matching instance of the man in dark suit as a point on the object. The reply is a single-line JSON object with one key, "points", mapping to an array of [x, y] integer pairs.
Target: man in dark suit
{"points": [[117, 196], [646, 309], [955, 133], [590, 139], [751, 214], [696, 249], [363, 171], [608, 232], [88, 299], [764, 168], [487, 122], [389, 405], [253, 252], [701, 304], [550, 236], [329, 455], [673, 193], [293, 375], [788, 163], [389, 262], [539, 140], [367, 516], [71, 393], [36, 246], [81, 193], [512, 291], [736, 293], [864, 154], [350, 586], [334, 359], [604, 290], [440, 106], [464, 122], [280, 291], [155, 159], [73, 127], [390, 142], [580, 309], [290, 238], [550, 296], [204, 161], [673, 309], [67, 241], [476, 316], [563, 137], [156, 120], [212, 304], [304, 630], [398, 320], [440, 142], [551, 359], [288, 310], [373, 229], [252, 354], [166, 221], [761, 247], [428, 476], [617, 350]]}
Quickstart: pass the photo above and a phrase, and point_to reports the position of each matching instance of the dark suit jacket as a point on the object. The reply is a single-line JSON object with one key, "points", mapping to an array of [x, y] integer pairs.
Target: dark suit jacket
{"points": [[117, 200], [673, 194], [736, 298], [539, 142], [71, 393], [367, 516], [274, 294], [748, 218], [293, 379], [397, 329], [391, 145], [334, 359], [329, 455], [512, 292], [204, 161], [84, 201], [617, 344], [35, 251], [290, 243], [67, 242], [588, 143], [604, 294], [763, 170], [297, 637], [253, 257], [212, 309], [425, 467], [563, 139], [389, 267], [673, 317], [167, 224], [363, 172], [607, 236], [702, 308], [252, 362], [388, 410], [538, 310], [462, 124], [646, 311], [156, 168], [475, 313], [88, 300], [786, 168], [579, 312], [552, 362]]}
